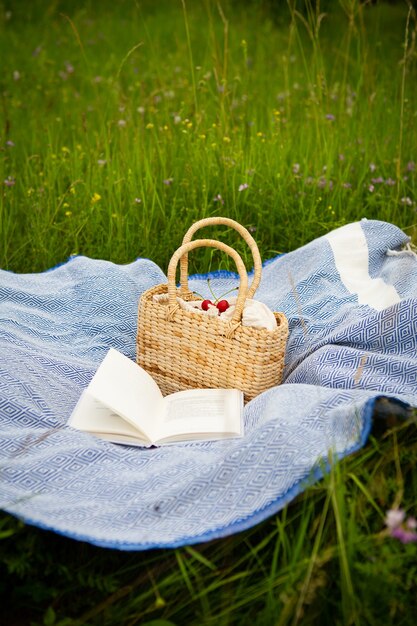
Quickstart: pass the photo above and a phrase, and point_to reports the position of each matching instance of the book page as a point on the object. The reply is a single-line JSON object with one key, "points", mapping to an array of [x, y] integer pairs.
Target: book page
{"points": [[91, 416], [125, 388], [202, 414]]}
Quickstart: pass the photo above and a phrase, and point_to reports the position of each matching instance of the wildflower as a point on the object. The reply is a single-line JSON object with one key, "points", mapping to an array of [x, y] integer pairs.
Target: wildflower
{"points": [[141, 110], [390, 182], [404, 532], [218, 198], [177, 119], [149, 126], [347, 185], [96, 198], [138, 200], [411, 166], [372, 167], [10, 143], [69, 68], [341, 157], [10, 182], [403, 535], [168, 181], [227, 139], [101, 162], [37, 51], [406, 200], [394, 518], [330, 117], [202, 136], [371, 188], [243, 186], [16, 75], [121, 123], [296, 168], [97, 79], [68, 213], [377, 181]]}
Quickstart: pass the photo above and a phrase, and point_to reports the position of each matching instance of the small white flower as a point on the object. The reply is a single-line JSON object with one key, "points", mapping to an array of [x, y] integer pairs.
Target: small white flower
{"points": [[394, 518]]}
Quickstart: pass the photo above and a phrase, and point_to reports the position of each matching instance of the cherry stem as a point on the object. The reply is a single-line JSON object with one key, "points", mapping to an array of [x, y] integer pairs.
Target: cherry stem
{"points": [[216, 299]]}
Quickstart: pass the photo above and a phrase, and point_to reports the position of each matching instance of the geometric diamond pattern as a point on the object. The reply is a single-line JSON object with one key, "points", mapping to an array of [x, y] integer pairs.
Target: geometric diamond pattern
{"points": [[56, 327]]}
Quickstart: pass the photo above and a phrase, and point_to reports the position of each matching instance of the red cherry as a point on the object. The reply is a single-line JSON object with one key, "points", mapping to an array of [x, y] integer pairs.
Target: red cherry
{"points": [[223, 305], [205, 304]]}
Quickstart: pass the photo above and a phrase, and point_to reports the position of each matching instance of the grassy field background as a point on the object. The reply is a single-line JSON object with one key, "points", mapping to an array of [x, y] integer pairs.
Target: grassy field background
{"points": [[124, 122]]}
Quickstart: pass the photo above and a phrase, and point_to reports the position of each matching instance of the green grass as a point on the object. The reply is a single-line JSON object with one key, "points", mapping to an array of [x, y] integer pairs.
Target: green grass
{"points": [[121, 124]]}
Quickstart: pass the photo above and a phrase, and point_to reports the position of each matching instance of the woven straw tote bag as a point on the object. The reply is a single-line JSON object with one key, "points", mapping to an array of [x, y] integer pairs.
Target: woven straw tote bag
{"points": [[182, 349]]}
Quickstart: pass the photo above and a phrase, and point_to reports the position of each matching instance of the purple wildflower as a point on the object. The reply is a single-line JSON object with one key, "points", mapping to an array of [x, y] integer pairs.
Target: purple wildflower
{"points": [[405, 536], [371, 188], [330, 117], [9, 143], [411, 166], [390, 182], [296, 168], [168, 181], [218, 198], [347, 185], [10, 182], [377, 181], [341, 157], [243, 186], [394, 520]]}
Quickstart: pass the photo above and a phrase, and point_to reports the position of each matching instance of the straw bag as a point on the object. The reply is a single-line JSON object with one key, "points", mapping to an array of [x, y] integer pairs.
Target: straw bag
{"points": [[182, 349]]}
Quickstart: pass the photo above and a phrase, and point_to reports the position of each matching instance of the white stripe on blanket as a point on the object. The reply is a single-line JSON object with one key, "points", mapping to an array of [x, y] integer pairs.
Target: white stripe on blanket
{"points": [[351, 255]]}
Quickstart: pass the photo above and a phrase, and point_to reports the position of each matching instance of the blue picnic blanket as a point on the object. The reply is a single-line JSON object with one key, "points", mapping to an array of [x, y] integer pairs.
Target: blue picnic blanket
{"points": [[350, 298]]}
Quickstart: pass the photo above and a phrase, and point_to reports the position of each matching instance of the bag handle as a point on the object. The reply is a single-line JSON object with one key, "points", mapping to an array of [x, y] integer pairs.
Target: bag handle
{"points": [[245, 234], [208, 243]]}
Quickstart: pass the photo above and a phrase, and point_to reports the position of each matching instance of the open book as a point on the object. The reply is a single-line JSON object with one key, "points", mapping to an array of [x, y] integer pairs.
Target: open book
{"points": [[124, 404]]}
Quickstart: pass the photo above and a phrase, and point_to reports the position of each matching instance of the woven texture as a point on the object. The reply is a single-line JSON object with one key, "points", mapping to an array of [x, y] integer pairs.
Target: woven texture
{"points": [[184, 350], [353, 338]]}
